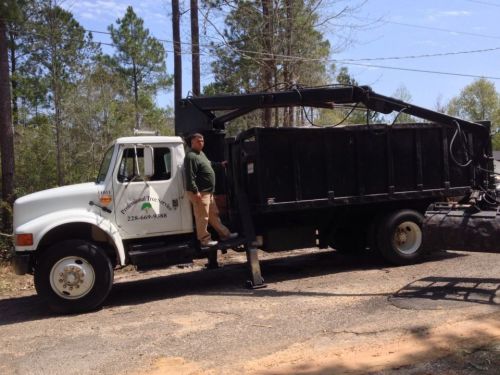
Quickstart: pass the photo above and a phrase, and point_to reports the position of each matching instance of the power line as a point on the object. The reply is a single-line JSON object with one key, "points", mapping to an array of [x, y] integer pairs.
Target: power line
{"points": [[439, 54], [355, 62], [423, 71], [291, 57], [427, 55], [484, 3], [431, 28], [361, 59]]}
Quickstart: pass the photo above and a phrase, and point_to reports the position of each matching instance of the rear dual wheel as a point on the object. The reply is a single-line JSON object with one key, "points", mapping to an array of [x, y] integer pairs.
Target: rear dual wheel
{"points": [[399, 237]]}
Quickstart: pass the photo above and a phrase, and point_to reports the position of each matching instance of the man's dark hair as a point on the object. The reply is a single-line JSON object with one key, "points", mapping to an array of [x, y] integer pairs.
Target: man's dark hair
{"points": [[193, 136]]}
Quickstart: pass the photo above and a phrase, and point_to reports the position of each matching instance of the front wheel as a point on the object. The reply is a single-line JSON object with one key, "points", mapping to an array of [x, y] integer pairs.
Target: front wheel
{"points": [[399, 237], [74, 276]]}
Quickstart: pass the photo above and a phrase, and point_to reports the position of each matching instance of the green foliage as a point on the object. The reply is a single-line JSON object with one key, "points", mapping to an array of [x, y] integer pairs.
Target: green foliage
{"points": [[402, 93], [346, 116], [478, 101], [64, 85], [5, 239], [241, 62], [35, 156], [140, 58]]}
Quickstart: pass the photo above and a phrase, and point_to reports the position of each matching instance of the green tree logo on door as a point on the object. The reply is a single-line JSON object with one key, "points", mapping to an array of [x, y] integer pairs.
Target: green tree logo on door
{"points": [[146, 206]]}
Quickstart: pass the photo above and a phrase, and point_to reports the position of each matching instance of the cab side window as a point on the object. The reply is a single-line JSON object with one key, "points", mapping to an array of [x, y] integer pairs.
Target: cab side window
{"points": [[128, 168], [163, 164]]}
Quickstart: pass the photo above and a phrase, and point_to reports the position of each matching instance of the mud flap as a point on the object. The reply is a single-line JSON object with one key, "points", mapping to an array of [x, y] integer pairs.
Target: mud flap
{"points": [[461, 227]]}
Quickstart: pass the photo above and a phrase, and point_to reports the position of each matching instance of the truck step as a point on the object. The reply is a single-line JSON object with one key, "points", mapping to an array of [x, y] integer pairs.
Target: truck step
{"points": [[225, 245], [159, 254]]}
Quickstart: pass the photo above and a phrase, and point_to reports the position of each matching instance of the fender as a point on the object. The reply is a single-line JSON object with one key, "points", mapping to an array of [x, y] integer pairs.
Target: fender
{"points": [[44, 224]]}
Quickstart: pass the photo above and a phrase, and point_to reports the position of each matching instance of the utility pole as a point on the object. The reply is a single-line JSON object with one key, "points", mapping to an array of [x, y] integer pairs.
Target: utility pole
{"points": [[176, 32], [195, 48], [267, 74]]}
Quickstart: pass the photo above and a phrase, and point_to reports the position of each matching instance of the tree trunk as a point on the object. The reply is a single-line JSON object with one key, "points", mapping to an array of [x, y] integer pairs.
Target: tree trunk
{"points": [[267, 76], [176, 33], [57, 104], [195, 48], [13, 80], [57, 118], [287, 68], [6, 129], [136, 96]]}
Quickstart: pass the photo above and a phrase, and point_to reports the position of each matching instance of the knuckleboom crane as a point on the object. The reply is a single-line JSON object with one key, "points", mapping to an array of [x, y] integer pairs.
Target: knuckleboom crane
{"points": [[471, 224]]}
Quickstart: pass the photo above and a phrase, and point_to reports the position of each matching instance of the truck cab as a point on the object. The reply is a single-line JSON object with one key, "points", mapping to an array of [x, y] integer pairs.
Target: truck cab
{"points": [[136, 212]]}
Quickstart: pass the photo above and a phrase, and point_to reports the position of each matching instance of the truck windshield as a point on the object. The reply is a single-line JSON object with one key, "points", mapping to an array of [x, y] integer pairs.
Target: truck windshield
{"points": [[105, 165]]}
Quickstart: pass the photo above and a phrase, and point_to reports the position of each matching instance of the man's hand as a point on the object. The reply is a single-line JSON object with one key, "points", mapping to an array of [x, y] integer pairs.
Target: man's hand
{"points": [[198, 196], [224, 163]]}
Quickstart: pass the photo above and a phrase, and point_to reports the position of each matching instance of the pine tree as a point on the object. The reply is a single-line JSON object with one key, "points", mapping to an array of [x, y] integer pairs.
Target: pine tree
{"points": [[270, 45], [140, 57]]}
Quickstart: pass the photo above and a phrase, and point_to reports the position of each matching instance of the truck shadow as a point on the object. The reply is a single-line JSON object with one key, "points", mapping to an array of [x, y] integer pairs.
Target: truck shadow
{"points": [[419, 293], [227, 280], [230, 279]]}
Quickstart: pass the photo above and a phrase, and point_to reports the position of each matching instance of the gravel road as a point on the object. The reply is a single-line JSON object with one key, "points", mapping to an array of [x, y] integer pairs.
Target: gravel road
{"points": [[322, 312]]}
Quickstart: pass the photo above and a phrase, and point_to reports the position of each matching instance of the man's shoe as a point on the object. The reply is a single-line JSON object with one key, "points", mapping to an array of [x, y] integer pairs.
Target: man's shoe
{"points": [[209, 243], [231, 236]]}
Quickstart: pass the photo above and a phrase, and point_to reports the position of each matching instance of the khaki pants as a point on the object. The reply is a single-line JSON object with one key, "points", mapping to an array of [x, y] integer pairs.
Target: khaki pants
{"points": [[206, 212]]}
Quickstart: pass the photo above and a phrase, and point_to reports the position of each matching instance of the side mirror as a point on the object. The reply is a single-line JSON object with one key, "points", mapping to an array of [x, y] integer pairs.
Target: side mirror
{"points": [[149, 165]]}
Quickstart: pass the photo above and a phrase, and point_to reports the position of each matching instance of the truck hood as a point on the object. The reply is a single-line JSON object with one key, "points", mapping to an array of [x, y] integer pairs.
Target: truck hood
{"points": [[43, 202]]}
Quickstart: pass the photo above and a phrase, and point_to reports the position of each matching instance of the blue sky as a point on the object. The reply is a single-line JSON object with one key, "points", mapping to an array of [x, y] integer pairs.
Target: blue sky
{"points": [[387, 37]]}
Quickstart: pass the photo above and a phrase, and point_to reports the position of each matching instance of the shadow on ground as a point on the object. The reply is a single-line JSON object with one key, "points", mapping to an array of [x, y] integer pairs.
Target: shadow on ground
{"points": [[448, 292], [228, 280]]}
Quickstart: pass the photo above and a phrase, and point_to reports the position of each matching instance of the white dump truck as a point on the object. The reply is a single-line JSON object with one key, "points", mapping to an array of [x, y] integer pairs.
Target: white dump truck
{"points": [[349, 188]]}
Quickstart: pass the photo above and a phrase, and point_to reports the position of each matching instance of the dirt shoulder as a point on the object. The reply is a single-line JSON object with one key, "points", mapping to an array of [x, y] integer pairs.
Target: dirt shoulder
{"points": [[12, 284]]}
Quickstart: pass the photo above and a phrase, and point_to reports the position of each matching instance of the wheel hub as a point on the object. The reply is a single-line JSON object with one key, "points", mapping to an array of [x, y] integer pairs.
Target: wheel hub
{"points": [[72, 277], [402, 236], [407, 237]]}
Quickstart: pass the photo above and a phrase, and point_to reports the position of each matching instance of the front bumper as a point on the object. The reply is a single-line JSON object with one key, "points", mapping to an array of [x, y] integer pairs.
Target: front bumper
{"points": [[22, 262]]}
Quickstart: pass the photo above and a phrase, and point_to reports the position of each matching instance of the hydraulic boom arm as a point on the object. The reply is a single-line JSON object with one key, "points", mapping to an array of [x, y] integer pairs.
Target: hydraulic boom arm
{"points": [[204, 113]]}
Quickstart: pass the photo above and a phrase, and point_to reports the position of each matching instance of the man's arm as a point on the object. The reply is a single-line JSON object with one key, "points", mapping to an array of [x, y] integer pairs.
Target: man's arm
{"points": [[191, 169], [218, 164]]}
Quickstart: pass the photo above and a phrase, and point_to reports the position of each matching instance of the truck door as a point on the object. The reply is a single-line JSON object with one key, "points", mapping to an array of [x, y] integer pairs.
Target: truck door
{"points": [[151, 207]]}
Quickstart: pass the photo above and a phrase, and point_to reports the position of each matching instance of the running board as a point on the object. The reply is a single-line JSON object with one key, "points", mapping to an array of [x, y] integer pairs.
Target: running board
{"points": [[225, 245], [160, 255]]}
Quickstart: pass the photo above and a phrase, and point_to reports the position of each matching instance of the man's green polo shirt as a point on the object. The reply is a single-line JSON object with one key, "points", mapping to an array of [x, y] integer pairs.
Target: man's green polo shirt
{"points": [[200, 176]]}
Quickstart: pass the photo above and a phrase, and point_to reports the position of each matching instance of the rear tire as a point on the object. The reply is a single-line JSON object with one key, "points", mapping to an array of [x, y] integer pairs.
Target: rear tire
{"points": [[399, 237], [73, 276]]}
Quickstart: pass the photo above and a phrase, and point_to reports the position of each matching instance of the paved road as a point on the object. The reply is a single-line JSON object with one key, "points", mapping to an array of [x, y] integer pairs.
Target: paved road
{"points": [[317, 303]]}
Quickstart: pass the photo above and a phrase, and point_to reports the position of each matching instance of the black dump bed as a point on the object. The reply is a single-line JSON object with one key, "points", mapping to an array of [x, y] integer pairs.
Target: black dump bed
{"points": [[295, 168]]}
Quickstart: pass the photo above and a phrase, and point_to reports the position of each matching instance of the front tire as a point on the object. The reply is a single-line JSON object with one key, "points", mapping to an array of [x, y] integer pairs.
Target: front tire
{"points": [[73, 276], [399, 237]]}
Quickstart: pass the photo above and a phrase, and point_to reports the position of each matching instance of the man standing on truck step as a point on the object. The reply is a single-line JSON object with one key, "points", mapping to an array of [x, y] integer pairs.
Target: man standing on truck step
{"points": [[200, 186]]}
